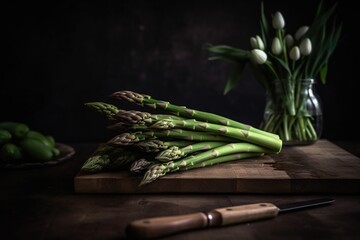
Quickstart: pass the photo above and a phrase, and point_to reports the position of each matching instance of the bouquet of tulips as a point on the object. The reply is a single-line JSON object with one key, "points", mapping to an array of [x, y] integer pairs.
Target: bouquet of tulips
{"points": [[281, 62]]}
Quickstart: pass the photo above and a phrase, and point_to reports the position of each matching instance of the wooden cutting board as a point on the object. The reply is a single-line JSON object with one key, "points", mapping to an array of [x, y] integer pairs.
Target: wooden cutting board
{"points": [[322, 167]]}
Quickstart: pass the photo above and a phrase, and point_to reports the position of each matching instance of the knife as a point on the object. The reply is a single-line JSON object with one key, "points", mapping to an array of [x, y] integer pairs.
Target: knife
{"points": [[161, 226]]}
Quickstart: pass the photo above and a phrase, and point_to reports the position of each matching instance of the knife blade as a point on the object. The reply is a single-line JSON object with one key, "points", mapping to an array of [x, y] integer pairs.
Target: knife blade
{"points": [[149, 228]]}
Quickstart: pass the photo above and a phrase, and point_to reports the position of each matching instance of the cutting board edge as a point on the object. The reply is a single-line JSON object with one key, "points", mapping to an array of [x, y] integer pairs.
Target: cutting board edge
{"points": [[287, 186]]}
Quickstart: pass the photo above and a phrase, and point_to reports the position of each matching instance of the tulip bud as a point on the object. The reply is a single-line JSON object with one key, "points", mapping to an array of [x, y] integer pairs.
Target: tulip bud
{"points": [[294, 53], [253, 43], [260, 43], [257, 43], [300, 32], [289, 40], [278, 21], [305, 47], [258, 56], [276, 46]]}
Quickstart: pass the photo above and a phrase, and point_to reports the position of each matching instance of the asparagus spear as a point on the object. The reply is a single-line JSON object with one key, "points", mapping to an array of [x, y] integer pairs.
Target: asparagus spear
{"points": [[126, 158], [146, 100], [128, 117], [108, 110], [157, 170], [109, 158], [142, 118], [244, 135], [96, 163], [155, 145], [175, 152], [132, 121], [124, 127], [133, 117], [129, 138], [160, 169], [188, 135], [223, 159], [140, 165]]}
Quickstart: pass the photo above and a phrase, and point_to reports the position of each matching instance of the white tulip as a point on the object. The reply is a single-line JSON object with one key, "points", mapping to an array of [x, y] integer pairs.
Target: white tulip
{"points": [[289, 40], [257, 43], [260, 43], [294, 53], [253, 43], [258, 56], [300, 32], [305, 47], [278, 21], [276, 46]]}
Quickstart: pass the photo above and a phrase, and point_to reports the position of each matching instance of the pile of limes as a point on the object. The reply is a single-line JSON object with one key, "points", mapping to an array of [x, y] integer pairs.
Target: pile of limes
{"points": [[19, 143]]}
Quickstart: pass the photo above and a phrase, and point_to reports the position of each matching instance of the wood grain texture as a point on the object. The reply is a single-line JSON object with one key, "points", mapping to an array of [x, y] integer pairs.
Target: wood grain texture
{"points": [[319, 168]]}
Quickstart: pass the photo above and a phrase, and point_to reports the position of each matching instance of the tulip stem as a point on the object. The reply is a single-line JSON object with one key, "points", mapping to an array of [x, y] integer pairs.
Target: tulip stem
{"points": [[280, 33], [272, 70]]}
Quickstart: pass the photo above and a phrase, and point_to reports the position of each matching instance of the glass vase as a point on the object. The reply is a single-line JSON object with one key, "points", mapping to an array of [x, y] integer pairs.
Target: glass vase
{"points": [[293, 111]]}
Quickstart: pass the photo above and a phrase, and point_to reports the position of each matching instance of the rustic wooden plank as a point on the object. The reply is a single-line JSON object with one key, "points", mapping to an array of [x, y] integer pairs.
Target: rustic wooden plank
{"points": [[322, 167]]}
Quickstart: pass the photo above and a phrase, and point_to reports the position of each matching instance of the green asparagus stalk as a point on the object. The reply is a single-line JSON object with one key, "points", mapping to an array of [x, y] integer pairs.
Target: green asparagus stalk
{"points": [[96, 163], [175, 152], [124, 159], [244, 135], [125, 127], [128, 117], [128, 138], [140, 165], [106, 109], [188, 135], [221, 151], [146, 100], [98, 160], [223, 159], [155, 145], [143, 164], [157, 170], [137, 121], [109, 158], [133, 117], [142, 118]]}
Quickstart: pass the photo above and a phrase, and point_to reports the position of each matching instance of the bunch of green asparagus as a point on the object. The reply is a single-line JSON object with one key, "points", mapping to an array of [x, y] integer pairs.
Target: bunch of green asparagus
{"points": [[178, 138]]}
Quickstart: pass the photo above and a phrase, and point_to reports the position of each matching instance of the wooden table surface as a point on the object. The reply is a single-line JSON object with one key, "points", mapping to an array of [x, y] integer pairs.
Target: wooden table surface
{"points": [[41, 204]]}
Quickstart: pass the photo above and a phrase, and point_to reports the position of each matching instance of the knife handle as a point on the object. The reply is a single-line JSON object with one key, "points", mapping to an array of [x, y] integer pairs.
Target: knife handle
{"points": [[161, 226], [156, 227]]}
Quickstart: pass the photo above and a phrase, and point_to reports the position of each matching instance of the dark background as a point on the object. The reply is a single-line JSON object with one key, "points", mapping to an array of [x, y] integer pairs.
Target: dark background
{"points": [[59, 55]]}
